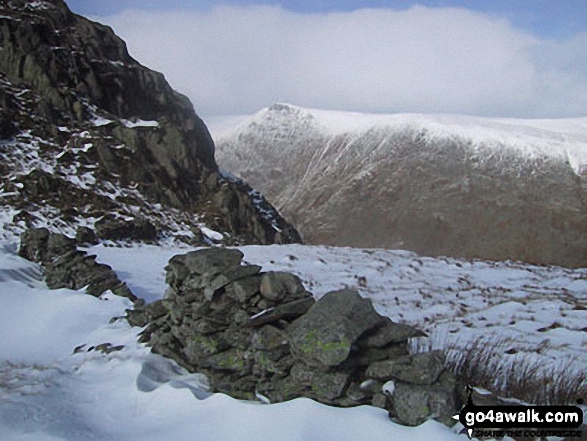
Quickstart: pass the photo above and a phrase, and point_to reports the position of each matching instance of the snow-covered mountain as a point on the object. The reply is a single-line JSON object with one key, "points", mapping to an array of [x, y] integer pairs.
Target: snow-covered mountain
{"points": [[439, 185]]}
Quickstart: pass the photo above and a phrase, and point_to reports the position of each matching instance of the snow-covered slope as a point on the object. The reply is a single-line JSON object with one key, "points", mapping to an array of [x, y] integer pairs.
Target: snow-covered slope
{"points": [[49, 390], [436, 184], [67, 371]]}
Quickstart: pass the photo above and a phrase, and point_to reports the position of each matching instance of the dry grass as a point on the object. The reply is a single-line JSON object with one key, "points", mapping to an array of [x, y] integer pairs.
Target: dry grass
{"points": [[510, 373]]}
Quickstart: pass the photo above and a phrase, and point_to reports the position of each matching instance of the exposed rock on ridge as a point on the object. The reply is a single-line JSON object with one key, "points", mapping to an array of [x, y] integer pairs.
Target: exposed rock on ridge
{"points": [[262, 334], [67, 267], [87, 131]]}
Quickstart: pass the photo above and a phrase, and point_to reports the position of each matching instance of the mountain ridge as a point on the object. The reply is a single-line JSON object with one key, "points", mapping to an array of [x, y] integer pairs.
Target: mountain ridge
{"points": [[467, 187]]}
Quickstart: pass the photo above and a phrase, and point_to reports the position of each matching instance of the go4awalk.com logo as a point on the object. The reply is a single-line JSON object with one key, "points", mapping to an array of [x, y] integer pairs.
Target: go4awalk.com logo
{"points": [[517, 421]]}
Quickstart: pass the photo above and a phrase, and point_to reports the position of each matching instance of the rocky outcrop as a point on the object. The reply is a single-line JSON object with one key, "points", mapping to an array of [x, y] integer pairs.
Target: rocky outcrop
{"points": [[455, 186], [67, 267], [261, 334], [88, 133]]}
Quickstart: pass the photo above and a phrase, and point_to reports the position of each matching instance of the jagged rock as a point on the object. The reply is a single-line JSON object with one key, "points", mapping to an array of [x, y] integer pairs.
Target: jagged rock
{"points": [[67, 267], [413, 404], [418, 369], [39, 245], [110, 228], [325, 334], [86, 236], [209, 261], [33, 244], [142, 316]]}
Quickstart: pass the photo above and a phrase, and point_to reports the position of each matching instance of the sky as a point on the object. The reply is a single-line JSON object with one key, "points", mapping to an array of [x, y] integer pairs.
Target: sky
{"points": [[498, 58]]}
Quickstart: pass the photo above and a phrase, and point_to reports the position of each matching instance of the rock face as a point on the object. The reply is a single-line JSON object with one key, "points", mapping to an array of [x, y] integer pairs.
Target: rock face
{"points": [[262, 334], [464, 187], [67, 267], [89, 134]]}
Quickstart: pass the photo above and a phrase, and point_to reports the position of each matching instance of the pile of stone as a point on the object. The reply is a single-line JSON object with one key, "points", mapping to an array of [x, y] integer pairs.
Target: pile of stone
{"points": [[262, 335], [65, 266]]}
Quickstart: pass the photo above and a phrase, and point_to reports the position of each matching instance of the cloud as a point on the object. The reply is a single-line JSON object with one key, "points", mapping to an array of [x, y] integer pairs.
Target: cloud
{"points": [[234, 59]]}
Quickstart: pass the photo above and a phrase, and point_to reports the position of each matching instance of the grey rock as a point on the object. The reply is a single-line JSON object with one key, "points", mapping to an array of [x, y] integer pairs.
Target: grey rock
{"points": [[418, 369], [281, 286], [212, 260], [379, 400], [325, 334], [244, 289], [367, 356], [54, 91], [413, 404], [270, 338], [231, 360], [111, 228], [67, 267], [86, 236], [33, 244], [287, 311], [389, 332], [143, 315]]}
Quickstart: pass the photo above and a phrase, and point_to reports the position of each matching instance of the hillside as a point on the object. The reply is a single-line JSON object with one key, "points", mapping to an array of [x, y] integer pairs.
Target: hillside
{"points": [[459, 186], [89, 137]]}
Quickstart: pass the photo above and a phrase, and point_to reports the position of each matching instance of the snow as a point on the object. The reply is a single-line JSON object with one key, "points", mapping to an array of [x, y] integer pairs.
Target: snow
{"points": [[214, 235], [564, 139], [456, 302], [55, 384], [48, 392], [139, 123], [99, 121]]}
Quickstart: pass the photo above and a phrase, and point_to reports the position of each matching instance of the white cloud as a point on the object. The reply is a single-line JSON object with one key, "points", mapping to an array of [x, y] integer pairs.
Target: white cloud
{"points": [[232, 60]]}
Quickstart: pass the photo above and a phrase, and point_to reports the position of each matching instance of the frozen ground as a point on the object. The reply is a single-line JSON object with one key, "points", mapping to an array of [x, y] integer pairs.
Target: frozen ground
{"points": [[48, 392]]}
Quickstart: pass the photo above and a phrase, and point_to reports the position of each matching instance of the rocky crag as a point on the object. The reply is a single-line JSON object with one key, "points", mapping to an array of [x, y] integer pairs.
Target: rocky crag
{"points": [[261, 334], [90, 137]]}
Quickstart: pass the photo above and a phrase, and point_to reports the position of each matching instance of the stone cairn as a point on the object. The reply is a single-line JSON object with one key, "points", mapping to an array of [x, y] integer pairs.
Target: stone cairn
{"points": [[262, 335]]}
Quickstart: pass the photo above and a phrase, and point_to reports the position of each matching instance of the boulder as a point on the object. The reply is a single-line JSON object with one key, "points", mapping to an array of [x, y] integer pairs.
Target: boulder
{"points": [[325, 334], [413, 404], [280, 286]]}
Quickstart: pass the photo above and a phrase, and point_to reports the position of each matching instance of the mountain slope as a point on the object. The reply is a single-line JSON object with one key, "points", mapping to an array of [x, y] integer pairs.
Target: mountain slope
{"points": [[88, 135], [439, 185]]}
